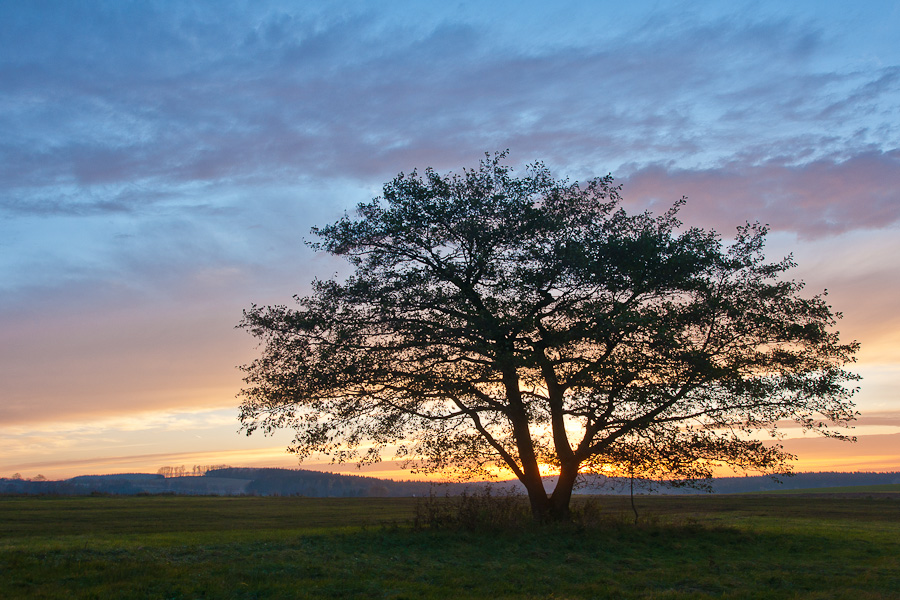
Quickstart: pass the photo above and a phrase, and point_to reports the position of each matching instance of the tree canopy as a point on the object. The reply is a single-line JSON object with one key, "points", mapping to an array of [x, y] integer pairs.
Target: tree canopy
{"points": [[531, 324]]}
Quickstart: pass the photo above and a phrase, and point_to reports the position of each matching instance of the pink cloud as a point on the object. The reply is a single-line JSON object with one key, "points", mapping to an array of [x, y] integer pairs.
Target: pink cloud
{"points": [[816, 199]]}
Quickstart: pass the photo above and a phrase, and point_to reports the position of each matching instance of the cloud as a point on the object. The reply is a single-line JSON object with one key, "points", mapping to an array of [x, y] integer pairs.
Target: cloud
{"points": [[819, 198], [196, 419], [266, 95], [61, 468]]}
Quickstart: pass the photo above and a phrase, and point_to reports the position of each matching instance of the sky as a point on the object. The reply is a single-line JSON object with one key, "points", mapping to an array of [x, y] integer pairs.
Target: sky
{"points": [[162, 163]]}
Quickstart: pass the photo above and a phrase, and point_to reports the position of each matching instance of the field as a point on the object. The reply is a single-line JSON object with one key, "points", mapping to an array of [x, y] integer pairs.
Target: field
{"points": [[747, 546]]}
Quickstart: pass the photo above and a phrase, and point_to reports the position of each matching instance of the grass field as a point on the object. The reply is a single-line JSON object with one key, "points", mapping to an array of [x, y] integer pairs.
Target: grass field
{"points": [[214, 547], [885, 488]]}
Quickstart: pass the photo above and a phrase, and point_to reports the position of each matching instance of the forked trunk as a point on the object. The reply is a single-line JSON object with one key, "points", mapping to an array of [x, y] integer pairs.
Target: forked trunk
{"points": [[555, 507]]}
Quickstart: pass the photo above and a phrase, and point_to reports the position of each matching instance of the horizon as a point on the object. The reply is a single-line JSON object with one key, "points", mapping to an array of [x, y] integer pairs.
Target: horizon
{"points": [[162, 166], [774, 477]]}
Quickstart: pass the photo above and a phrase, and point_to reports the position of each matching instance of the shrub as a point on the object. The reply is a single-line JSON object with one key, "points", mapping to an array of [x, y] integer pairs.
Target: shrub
{"points": [[473, 510]]}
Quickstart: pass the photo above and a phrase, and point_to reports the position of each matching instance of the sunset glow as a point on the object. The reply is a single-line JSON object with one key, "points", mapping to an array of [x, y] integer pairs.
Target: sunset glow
{"points": [[161, 165]]}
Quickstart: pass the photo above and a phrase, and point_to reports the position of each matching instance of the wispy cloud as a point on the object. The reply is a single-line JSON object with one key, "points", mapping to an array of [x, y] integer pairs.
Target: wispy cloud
{"points": [[266, 96]]}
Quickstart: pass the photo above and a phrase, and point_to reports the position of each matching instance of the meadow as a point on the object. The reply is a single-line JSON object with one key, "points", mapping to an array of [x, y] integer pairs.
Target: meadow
{"points": [[742, 546]]}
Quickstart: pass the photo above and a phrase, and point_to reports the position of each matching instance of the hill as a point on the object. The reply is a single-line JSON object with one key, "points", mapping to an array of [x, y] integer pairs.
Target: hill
{"points": [[317, 484]]}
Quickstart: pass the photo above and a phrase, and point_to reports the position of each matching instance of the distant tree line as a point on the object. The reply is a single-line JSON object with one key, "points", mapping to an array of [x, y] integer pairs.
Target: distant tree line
{"points": [[316, 484], [799, 481], [196, 471]]}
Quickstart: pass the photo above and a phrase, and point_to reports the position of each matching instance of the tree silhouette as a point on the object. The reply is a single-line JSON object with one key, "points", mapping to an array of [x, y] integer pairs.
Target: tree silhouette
{"points": [[529, 323]]}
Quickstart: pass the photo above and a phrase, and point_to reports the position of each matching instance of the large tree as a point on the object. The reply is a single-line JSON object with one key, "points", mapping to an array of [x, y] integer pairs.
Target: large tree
{"points": [[534, 325]]}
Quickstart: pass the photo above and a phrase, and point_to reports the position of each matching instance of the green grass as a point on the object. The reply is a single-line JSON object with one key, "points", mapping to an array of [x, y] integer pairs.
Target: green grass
{"points": [[885, 488], [685, 547]]}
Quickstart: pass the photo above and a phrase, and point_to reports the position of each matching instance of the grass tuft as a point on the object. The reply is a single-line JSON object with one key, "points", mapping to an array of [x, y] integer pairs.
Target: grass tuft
{"points": [[476, 510]]}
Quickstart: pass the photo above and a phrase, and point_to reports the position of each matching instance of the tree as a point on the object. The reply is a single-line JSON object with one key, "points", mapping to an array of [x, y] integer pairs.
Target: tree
{"points": [[526, 324]]}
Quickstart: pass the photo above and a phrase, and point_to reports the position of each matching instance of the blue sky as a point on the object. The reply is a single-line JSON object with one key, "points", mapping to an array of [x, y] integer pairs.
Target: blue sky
{"points": [[162, 163]]}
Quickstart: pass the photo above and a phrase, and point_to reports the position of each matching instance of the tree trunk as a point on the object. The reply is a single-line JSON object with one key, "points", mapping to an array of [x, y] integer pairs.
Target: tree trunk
{"points": [[540, 503], [562, 494], [555, 507], [530, 474]]}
